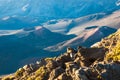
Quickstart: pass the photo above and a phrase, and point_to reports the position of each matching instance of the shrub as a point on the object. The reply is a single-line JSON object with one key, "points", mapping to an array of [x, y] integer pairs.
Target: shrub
{"points": [[8, 78], [19, 72], [41, 73], [114, 53]]}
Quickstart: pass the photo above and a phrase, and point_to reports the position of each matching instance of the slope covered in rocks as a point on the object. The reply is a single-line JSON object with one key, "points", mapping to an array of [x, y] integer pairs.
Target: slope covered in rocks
{"points": [[100, 62]]}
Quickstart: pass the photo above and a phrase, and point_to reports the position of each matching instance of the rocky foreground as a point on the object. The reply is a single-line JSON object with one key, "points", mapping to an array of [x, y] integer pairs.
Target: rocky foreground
{"points": [[100, 62]]}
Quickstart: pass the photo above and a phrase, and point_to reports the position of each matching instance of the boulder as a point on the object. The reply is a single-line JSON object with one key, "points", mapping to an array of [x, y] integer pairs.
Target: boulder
{"points": [[110, 71], [63, 76], [52, 64], [55, 73], [90, 55]]}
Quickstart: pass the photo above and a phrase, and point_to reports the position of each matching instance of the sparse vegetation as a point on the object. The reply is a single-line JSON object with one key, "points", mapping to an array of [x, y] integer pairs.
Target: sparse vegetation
{"points": [[8, 78], [48, 59], [114, 53], [19, 72], [31, 78], [41, 73]]}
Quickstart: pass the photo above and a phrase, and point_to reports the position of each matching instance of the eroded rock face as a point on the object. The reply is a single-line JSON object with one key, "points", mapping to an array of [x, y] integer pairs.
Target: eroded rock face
{"points": [[89, 55], [52, 64], [108, 71], [55, 73]]}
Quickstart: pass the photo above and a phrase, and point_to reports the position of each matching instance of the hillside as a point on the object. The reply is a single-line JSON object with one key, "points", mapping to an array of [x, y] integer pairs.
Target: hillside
{"points": [[19, 47], [28, 45], [77, 25], [88, 37], [100, 62]]}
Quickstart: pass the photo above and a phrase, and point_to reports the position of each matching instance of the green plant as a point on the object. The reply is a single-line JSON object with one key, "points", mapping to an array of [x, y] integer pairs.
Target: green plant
{"points": [[114, 53], [41, 73], [19, 72]]}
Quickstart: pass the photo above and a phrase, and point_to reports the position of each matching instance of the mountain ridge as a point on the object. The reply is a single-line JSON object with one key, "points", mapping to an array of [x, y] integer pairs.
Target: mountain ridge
{"points": [[86, 38]]}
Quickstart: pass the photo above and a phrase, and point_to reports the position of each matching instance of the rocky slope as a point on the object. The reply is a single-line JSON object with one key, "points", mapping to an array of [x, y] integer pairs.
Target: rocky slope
{"points": [[100, 62]]}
